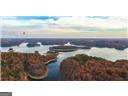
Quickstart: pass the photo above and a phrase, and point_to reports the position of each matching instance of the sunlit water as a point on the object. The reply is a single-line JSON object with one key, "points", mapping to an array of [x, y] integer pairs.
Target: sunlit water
{"points": [[53, 74]]}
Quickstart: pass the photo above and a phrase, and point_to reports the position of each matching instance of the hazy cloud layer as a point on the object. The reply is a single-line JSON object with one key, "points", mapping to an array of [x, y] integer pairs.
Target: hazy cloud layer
{"points": [[64, 26]]}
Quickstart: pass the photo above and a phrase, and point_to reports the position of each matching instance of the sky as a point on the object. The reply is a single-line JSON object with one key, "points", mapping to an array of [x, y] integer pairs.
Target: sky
{"points": [[63, 27]]}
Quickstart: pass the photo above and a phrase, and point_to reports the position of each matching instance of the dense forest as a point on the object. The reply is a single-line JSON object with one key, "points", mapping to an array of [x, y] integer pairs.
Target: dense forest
{"points": [[83, 67], [19, 66]]}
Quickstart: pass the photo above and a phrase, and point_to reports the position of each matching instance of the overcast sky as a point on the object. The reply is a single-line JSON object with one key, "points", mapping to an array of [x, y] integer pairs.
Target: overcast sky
{"points": [[64, 26]]}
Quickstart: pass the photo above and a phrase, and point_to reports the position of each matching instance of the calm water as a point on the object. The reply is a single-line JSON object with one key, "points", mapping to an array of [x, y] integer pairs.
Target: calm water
{"points": [[53, 74]]}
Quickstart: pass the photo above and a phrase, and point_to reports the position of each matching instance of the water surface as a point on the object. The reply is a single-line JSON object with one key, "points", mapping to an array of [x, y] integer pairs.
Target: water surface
{"points": [[53, 74]]}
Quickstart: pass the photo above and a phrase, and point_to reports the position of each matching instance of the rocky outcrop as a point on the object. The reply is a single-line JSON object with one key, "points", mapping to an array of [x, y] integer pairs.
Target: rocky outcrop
{"points": [[83, 67]]}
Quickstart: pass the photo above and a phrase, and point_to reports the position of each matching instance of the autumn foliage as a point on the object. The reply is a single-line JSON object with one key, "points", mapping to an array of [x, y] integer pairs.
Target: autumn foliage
{"points": [[83, 67], [18, 66], [12, 66]]}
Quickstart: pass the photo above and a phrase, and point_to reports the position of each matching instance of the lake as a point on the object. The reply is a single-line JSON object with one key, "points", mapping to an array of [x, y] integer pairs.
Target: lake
{"points": [[111, 54]]}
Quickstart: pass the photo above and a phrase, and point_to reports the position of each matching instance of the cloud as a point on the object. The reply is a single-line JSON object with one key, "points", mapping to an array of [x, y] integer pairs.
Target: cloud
{"points": [[48, 26], [111, 22]]}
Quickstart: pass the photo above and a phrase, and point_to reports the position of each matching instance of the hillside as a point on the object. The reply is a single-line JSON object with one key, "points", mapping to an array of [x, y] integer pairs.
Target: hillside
{"points": [[83, 67]]}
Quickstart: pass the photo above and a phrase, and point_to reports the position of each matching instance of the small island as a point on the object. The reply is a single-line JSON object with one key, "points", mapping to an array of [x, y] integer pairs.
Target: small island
{"points": [[37, 44], [67, 48]]}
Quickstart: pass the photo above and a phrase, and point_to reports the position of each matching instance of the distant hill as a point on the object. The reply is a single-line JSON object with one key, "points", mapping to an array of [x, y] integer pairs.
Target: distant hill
{"points": [[117, 43]]}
